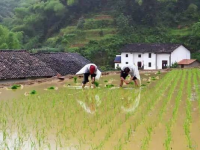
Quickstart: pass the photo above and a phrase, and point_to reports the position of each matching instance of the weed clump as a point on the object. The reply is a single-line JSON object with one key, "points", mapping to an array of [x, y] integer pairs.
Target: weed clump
{"points": [[96, 84], [14, 87], [109, 85], [33, 92], [158, 72], [51, 88], [75, 79], [131, 83]]}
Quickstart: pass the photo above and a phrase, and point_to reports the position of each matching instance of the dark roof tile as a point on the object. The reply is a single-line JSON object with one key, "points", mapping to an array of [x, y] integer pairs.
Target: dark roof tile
{"points": [[63, 63], [16, 64], [153, 48]]}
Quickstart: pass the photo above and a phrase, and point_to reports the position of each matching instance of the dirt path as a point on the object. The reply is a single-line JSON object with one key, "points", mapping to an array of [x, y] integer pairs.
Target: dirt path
{"points": [[8, 83]]}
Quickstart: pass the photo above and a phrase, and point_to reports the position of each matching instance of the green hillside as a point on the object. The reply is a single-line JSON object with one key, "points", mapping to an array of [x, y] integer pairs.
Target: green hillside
{"points": [[95, 28], [98, 29]]}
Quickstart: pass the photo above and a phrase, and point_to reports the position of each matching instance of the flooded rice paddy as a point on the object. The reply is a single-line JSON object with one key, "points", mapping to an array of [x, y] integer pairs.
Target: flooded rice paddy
{"points": [[162, 114]]}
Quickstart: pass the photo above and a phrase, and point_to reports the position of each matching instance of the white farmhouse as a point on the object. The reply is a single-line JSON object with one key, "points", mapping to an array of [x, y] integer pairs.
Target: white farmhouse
{"points": [[117, 61], [153, 56]]}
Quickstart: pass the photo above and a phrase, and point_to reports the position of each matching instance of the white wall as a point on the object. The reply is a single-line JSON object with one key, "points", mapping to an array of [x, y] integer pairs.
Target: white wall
{"points": [[117, 64], [125, 59], [134, 59], [160, 58], [179, 54], [137, 59], [148, 60]]}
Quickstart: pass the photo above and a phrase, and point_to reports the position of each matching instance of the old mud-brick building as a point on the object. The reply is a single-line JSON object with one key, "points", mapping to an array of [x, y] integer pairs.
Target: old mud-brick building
{"points": [[61, 62], [19, 64]]}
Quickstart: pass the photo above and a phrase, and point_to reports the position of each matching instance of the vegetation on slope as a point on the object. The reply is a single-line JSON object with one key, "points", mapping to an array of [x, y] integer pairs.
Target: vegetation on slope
{"points": [[73, 25], [9, 40]]}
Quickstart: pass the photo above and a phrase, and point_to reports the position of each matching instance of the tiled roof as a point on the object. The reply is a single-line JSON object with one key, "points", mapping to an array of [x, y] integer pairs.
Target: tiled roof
{"points": [[117, 59], [63, 63], [15, 64], [154, 48], [186, 61]]}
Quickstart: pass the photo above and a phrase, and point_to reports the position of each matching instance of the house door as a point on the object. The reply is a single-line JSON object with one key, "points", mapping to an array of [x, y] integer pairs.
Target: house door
{"points": [[182, 66], [164, 64], [139, 64]]}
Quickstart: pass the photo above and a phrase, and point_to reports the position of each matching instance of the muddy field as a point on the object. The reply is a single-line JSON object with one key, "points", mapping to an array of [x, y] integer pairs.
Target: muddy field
{"points": [[163, 114]]}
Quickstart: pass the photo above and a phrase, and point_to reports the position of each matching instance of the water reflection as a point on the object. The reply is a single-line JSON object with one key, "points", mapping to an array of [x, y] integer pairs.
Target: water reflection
{"points": [[91, 103], [131, 104], [12, 141]]}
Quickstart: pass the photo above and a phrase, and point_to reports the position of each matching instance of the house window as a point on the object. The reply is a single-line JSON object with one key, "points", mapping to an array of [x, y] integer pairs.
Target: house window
{"points": [[139, 55], [126, 62], [149, 64], [149, 55], [126, 55]]}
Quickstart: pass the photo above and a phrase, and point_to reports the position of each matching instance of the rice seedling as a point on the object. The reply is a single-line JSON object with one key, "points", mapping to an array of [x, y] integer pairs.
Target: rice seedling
{"points": [[174, 114], [54, 119], [169, 137], [109, 85], [129, 115], [75, 79], [33, 92], [96, 84], [159, 72], [188, 119], [51, 88], [131, 83], [16, 86]]}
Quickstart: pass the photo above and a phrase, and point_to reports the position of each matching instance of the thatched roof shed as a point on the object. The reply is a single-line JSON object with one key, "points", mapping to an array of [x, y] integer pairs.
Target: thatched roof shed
{"points": [[16, 64], [63, 63]]}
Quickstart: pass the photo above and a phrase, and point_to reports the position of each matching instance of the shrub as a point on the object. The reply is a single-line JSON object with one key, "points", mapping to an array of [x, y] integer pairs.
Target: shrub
{"points": [[73, 49], [51, 88], [96, 24], [80, 24], [101, 33], [118, 68], [96, 84], [15, 86], [174, 65], [33, 92]]}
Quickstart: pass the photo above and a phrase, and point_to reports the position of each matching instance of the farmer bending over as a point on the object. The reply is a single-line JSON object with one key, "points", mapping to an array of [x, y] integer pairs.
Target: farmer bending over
{"points": [[133, 71], [87, 70]]}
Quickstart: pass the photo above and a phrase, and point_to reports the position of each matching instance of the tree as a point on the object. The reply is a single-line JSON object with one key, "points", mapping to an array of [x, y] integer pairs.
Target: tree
{"points": [[9, 40], [81, 22], [12, 41], [196, 29], [123, 25]]}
